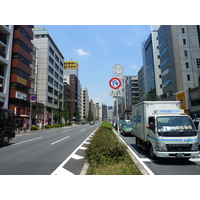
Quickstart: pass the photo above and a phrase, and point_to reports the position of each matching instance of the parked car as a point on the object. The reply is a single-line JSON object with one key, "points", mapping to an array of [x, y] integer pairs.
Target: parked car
{"points": [[91, 122], [196, 122], [126, 128]]}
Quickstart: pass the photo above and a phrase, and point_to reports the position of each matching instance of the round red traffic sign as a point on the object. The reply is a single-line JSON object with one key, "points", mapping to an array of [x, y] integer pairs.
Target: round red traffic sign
{"points": [[115, 83]]}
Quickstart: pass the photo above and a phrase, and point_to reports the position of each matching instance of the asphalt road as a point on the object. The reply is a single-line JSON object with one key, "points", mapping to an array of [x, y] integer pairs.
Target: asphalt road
{"points": [[47, 152], [164, 166]]}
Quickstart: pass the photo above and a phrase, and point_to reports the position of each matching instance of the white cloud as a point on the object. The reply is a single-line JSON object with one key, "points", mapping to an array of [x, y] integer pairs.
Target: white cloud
{"points": [[134, 67], [81, 52], [96, 100]]}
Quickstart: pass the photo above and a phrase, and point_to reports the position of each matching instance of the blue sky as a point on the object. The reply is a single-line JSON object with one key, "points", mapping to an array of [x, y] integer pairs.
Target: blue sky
{"points": [[97, 48]]}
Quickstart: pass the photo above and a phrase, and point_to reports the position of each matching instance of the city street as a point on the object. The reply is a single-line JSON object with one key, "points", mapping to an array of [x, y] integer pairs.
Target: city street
{"points": [[164, 166], [51, 151]]}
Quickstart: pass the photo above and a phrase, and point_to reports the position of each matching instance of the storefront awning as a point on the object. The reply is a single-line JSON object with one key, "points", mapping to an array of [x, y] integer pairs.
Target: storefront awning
{"points": [[24, 115]]}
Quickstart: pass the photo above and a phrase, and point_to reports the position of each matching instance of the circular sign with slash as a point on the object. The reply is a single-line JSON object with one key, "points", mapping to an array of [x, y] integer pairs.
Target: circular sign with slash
{"points": [[115, 83]]}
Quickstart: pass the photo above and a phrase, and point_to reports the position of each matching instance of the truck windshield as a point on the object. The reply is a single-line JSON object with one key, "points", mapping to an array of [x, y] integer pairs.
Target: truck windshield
{"points": [[175, 126]]}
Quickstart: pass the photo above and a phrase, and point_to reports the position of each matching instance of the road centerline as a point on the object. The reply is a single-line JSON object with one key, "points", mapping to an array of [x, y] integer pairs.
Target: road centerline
{"points": [[59, 140]]}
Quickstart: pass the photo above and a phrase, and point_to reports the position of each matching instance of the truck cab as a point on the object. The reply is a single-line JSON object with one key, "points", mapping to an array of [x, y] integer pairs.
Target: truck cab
{"points": [[172, 135]]}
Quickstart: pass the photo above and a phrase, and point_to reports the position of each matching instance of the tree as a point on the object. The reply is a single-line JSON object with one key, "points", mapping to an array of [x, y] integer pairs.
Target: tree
{"points": [[90, 115], [58, 114], [151, 96], [66, 114]]}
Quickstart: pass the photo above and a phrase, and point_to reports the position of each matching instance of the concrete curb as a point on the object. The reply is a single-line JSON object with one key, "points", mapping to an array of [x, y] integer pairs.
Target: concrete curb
{"points": [[84, 169]]}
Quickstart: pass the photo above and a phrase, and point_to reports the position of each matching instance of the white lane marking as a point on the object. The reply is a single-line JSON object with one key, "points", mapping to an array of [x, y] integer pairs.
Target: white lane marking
{"points": [[77, 157], [59, 140], [137, 157], [27, 141], [83, 130], [145, 160], [49, 131], [63, 172], [58, 170], [83, 148], [67, 130], [87, 142]]}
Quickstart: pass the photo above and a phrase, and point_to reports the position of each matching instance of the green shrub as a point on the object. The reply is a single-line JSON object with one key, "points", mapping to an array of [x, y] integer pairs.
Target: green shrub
{"points": [[48, 126], [106, 125], [105, 149], [33, 128], [56, 125]]}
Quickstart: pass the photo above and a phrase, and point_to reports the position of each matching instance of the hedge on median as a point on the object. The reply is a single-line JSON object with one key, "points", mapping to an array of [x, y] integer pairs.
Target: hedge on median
{"points": [[106, 155]]}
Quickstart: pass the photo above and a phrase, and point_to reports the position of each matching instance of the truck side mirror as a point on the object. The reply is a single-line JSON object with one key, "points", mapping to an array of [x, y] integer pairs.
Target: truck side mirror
{"points": [[151, 125]]}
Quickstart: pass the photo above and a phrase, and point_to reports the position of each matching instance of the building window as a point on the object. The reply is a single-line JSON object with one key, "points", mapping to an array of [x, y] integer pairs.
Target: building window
{"points": [[50, 79], [187, 65], [188, 77], [166, 83], [50, 70], [56, 57], [50, 89], [51, 60], [56, 75], [183, 30], [184, 41], [185, 53], [56, 83], [56, 66], [164, 61], [50, 99], [166, 72], [51, 51]]}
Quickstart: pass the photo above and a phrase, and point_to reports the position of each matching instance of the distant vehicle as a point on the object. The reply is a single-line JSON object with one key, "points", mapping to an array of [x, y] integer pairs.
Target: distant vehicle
{"points": [[126, 128], [164, 130], [7, 126], [196, 122], [83, 121], [91, 122], [121, 121]]}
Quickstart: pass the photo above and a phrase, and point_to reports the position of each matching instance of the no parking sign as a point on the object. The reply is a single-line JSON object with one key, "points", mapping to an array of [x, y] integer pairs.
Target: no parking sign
{"points": [[115, 83]]}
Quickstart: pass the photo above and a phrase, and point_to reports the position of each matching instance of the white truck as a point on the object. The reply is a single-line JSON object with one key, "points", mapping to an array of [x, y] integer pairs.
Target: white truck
{"points": [[164, 130]]}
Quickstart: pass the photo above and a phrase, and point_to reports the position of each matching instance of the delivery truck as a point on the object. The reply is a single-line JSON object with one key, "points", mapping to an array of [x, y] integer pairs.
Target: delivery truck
{"points": [[164, 130]]}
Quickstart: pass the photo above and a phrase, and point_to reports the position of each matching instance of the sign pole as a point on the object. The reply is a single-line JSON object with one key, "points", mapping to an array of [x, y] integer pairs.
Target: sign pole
{"points": [[117, 110], [117, 69]]}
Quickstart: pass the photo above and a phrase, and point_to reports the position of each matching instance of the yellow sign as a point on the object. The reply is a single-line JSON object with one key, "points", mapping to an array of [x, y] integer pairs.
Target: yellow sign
{"points": [[70, 65], [181, 97], [21, 80]]}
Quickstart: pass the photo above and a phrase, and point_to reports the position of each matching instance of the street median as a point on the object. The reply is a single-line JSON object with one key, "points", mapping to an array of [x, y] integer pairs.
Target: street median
{"points": [[106, 155]]}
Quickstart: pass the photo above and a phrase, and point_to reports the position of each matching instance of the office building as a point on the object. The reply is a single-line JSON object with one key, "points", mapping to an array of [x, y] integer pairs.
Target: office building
{"points": [[179, 47], [71, 77], [110, 112], [21, 72], [50, 73], [150, 74], [6, 39], [84, 103], [130, 96]]}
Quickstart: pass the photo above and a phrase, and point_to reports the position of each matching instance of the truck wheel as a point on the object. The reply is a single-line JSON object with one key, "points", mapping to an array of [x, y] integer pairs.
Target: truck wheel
{"points": [[151, 153], [5, 140], [138, 143]]}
